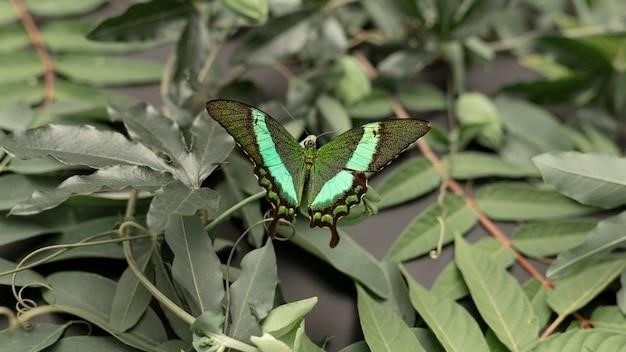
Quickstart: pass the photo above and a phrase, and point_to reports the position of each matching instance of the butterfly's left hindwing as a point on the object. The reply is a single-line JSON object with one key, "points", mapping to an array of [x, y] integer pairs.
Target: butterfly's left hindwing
{"points": [[277, 157], [338, 181]]}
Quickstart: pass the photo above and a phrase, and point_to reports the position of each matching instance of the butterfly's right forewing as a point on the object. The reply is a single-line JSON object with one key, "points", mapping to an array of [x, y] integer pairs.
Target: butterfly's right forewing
{"points": [[277, 157]]}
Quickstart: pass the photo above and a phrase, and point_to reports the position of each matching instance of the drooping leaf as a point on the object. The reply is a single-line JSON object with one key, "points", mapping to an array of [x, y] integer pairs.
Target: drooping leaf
{"points": [[411, 179], [498, 297], [252, 295], [196, 267], [542, 239], [38, 338], [24, 277], [36, 166], [568, 296], [422, 234], [348, 257], [111, 178], [606, 236], [592, 179], [143, 21], [384, 331], [177, 199], [286, 317], [519, 201], [454, 327], [80, 145], [108, 71], [398, 300], [472, 165], [18, 188]]}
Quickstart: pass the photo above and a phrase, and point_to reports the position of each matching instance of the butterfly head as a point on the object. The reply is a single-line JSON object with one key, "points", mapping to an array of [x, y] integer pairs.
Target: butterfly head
{"points": [[310, 141]]}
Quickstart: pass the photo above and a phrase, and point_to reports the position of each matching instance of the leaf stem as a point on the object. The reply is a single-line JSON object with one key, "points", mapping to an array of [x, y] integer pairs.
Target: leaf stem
{"points": [[226, 214]]}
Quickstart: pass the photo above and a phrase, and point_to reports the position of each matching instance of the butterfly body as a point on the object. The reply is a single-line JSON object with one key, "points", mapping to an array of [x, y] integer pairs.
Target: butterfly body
{"points": [[325, 182]]}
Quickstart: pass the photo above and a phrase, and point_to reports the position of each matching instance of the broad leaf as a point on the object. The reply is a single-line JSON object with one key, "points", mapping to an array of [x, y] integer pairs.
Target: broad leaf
{"points": [[91, 344], [62, 7], [423, 232], [18, 188], [472, 165], [177, 199], [19, 66], [409, 180], [399, 300], [595, 340], [608, 318], [422, 97], [475, 109], [196, 267], [252, 295], [542, 239], [35, 339], [268, 343], [383, 330], [80, 145], [23, 278], [498, 297], [452, 324], [282, 319], [592, 179], [108, 71], [211, 145]]}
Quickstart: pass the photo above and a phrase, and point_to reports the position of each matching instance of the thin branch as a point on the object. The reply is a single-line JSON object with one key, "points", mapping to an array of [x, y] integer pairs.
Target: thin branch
{"points": [[38, 44]]}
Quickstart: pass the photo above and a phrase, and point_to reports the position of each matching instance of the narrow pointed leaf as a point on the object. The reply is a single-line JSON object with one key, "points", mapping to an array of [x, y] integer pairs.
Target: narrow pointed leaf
{"points": [[592, 179], [108, 71], [177, 199], [498, 297], [409, 180], [606, 236], [252, 295], [348, 257], [131, 299], [80, 145], [518, 201], [454, 327], [196, 267], [384, 331], [595, 340], [568, 296], [422, 234], [113, 178], [472, 165], [546, 238]]}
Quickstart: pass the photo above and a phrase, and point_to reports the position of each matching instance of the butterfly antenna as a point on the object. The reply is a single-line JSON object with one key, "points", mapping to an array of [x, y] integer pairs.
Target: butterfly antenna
{"points": [[293, 118]]}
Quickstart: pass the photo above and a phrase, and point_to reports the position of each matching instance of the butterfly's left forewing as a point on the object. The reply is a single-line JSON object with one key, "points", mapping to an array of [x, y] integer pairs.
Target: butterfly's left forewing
{"points": [[277, 157], [338, 180]]}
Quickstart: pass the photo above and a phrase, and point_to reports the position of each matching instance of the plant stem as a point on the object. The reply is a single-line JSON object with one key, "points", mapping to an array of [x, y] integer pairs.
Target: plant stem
{"points": [[226, 214]]}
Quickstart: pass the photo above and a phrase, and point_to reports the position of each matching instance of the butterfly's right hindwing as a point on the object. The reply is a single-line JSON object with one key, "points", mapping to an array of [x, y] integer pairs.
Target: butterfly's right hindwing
{"points": [[277, 157]]}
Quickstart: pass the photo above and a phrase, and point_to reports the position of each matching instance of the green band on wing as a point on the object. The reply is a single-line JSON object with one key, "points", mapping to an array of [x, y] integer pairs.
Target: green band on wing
{"points": [[271, 159], [365, 150], [333, 189]]}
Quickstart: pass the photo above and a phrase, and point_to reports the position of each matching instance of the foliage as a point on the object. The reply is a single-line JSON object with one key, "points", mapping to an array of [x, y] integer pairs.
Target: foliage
{"points": [[76, 155]]}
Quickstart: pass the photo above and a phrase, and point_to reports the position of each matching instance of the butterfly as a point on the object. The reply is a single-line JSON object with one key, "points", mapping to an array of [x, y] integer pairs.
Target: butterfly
{"points": [[327, 181]]}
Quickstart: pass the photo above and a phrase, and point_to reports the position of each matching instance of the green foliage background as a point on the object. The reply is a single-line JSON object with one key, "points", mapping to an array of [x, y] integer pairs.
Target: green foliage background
{"points": [[97, 175]]}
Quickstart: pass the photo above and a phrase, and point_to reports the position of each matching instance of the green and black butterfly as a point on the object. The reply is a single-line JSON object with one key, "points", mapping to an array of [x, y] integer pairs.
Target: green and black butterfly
{"points": [[329, 180]]}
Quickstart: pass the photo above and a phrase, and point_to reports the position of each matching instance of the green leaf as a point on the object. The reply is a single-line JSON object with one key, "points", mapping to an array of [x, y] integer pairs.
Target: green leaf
{"points": [[211, 144], [388, 17], [7, 13], [112, 178], [348, 257], [360, 346], [18, 188], [452, 324], [68, 36], [196, 267], [16, 94], [334, 114], [475, 109], [537, 294], [23, 278], [409, 180], [422, 97], [177, 199], [606, 236], [372, 106], [282, 319], [108, 71], [267, 343], [403, 63], [252, 295], [143, 21], [592, 179], [472, 165], [382, 328], [36, 166], [498, 297], [525, 138], [353, 83], [595, 340], [450, 281], [520, 201], [608, 318], [620, 296], [80, 145], [131, 299], [19, 66], [255, 10], [399, 300], [37, 338], [551, 237], [91, 344], [424, 231], [62, 7]]}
